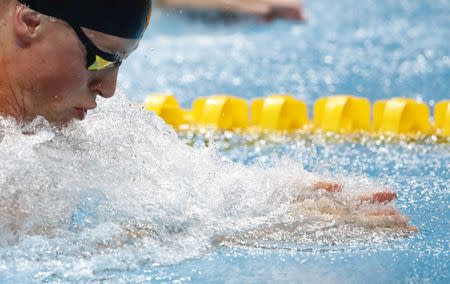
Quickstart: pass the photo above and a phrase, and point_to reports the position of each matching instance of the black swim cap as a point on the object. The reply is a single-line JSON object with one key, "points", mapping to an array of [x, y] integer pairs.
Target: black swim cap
{"points": [[123, 18]]}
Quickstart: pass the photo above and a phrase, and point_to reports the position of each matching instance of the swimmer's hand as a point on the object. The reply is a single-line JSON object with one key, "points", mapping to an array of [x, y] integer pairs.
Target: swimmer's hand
{"points": [[267, 9], [370, 210], [377, 197]]}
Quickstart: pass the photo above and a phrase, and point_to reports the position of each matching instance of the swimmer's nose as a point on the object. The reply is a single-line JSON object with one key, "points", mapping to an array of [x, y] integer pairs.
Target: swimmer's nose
{"points": [[105, 83]]}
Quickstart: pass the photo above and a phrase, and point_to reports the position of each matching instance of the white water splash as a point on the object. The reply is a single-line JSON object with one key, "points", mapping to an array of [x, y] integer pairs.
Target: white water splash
{"points": [[119, 189]]}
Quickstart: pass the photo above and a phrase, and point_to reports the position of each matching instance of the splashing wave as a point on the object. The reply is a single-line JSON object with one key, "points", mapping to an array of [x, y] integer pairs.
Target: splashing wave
{"points": [[120, 190]]}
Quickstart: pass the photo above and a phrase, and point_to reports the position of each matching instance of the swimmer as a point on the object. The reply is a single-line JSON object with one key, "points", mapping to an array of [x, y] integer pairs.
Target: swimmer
{"points": [[267, 9], [56, 57]]}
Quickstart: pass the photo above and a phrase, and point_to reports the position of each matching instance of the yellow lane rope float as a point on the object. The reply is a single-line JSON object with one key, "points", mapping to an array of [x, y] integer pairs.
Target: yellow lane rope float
{"points": [[401, 116], [343, 114], [279, 112], [442, 118]]}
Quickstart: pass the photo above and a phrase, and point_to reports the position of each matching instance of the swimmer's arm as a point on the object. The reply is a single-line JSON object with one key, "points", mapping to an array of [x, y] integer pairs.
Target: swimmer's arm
{"points": [[269, 9]]}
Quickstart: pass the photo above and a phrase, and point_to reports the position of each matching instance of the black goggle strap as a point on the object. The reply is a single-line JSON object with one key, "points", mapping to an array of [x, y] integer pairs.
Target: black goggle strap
{"points": [[96, 59]]}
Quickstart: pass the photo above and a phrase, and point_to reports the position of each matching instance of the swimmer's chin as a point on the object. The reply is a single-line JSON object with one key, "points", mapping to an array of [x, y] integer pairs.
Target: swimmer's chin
{"points": [[38, 122], [80, 113], [76, 115]]}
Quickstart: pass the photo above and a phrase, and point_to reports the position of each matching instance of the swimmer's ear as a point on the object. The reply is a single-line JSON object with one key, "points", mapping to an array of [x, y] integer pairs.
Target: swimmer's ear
{"points": [[26, 25]]}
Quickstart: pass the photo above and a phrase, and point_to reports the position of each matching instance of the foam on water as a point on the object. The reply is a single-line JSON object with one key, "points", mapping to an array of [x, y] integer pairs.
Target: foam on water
{"points": [[120, 191]]}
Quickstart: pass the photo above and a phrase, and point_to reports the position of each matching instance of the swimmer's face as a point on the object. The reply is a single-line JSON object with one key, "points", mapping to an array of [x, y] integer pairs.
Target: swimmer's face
{"points": [[60, 87]]}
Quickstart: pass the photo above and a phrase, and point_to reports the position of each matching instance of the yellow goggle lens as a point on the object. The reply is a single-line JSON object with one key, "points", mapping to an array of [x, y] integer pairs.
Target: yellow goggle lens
{"points": [[100, 64]]}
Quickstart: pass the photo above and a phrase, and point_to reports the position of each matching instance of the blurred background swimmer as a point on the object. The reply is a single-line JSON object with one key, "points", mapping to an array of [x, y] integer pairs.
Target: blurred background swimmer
{"points": [[267, 9]]}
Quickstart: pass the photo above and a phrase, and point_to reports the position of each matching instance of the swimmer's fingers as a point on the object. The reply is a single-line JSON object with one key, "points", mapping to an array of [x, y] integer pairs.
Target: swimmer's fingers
{"points": [[412, 229], [328, 186], [387, 218], [378, 197]]}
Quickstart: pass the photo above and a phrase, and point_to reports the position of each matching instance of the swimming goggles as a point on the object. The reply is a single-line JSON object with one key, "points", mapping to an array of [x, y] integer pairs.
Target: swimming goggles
{"points": [[96, 59]]}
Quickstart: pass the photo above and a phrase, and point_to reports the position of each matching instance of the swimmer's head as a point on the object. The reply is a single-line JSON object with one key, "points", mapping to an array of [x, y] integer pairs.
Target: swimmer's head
{"points": [[58, 55], [126, 19]]}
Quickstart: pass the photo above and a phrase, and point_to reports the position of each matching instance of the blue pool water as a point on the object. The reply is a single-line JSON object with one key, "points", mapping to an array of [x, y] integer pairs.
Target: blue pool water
{"points": [[118, 198], [375, 49]]}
